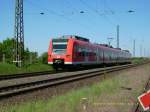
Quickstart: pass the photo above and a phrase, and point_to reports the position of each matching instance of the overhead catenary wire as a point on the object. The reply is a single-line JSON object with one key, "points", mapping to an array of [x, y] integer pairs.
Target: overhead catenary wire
{"points": [[47, 10], [113, 13], [61, 16], [97, 12], [89, 19]]}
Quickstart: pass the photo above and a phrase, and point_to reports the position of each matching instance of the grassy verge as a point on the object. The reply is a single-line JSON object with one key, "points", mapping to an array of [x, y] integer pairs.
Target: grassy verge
{"points": [[70, 102], [12, 69], [139, 60], [108, 89]]}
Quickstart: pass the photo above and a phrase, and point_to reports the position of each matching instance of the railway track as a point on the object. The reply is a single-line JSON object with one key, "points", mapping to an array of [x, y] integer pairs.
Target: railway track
{"points": [[22, 75], [53, 80], [32, 74]]}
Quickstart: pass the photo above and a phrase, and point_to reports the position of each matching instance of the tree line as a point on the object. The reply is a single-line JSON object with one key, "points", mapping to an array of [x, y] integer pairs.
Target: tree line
{"points": [[6, 54]]}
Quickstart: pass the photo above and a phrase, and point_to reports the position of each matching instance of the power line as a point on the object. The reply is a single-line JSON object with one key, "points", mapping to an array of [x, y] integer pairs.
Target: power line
{"points": [[109, 40], [110, 9], [58, 15], [70, 5], [96, 11], [81, 11], [47, 10]]}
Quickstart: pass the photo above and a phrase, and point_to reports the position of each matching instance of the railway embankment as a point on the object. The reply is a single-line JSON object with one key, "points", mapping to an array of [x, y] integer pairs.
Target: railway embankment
{"points": [[11, 69], [118, 92], [125, 97]]}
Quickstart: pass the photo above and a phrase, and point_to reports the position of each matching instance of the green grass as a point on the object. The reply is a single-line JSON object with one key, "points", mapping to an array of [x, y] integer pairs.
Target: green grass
{"points": [[38, 67], [12, 69], [139, 60], [70, 102]]}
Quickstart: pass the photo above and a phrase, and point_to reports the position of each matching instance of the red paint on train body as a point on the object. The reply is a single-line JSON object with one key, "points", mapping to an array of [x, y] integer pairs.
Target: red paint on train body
{"points": [[75, 50]]}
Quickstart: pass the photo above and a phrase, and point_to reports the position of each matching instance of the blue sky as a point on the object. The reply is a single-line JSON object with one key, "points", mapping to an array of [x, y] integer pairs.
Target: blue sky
{"points": [[63, 17]]}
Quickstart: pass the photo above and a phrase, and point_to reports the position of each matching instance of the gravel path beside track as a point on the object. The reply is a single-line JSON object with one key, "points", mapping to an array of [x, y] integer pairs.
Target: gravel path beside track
{"points": [[132, 82]]}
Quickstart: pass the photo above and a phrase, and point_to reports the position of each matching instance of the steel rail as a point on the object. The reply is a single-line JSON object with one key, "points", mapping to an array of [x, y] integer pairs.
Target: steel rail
{"points": [[29, 74], [22, 75], [30, 86]]}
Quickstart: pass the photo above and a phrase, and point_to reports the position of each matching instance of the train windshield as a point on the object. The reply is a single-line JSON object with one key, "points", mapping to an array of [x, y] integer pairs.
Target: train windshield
{"points": [[59, 46]]}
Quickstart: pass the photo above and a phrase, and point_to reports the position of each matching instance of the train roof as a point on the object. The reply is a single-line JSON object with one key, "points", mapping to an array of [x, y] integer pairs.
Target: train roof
{"points": [[75, 37], [105, 46]]}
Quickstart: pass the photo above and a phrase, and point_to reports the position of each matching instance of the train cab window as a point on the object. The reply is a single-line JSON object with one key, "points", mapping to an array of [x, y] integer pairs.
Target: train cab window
{"points": [[59, 46], [59, 49]]}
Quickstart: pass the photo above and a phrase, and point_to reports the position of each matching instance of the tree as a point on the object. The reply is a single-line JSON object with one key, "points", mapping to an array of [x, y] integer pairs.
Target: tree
{"points": [[7, 47], [44, 57], [1, 54]]}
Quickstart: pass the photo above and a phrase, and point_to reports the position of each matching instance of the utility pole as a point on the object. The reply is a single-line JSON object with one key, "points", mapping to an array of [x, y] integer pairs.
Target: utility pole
{"points": [[109, 40], [134, 48], [18, 34], [141, 50], [117, 36], [144, 52]]}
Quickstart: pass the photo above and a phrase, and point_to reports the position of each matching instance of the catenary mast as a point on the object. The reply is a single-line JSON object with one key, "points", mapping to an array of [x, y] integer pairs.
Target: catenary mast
{"points": [[18, 34]]}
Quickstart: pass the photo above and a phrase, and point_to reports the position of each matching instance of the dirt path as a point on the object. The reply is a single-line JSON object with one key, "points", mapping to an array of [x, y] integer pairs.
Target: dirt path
{"points": [[131, 84]]}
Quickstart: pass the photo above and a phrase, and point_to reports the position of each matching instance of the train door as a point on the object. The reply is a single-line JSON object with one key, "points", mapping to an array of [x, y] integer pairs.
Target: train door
{"points": [[100, 52], [86, 55], [97, 55], [103, 56]]}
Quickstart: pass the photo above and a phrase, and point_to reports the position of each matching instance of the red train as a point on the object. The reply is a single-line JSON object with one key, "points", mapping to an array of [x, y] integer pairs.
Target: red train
{"points": [[78, 51]]}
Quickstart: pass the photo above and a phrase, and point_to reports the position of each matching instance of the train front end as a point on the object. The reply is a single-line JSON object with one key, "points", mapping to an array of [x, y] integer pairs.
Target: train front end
{"points": [[60, 52]]}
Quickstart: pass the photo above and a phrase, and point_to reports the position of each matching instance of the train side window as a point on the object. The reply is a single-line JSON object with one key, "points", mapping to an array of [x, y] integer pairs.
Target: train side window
{"points": [[101, 54], [87, 53], [83, 53], [79, 54], [104, 54], [76, 48]]}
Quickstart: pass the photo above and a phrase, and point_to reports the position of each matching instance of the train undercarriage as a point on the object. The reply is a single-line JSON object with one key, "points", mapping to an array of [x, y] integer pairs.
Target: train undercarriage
{"points": [[59, 64]]}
